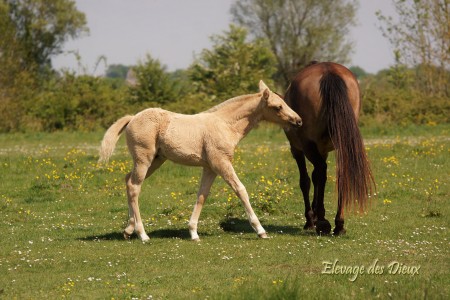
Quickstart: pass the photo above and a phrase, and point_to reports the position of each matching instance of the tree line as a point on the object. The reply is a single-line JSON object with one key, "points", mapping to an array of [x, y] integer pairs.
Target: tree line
{"points": [[268, 40]]}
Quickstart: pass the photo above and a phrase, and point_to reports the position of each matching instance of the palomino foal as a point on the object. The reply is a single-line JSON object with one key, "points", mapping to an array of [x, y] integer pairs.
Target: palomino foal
{"points": [[207, 139]]}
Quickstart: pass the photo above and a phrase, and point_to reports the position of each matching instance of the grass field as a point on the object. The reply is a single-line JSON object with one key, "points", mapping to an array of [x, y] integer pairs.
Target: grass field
{"points": [[62, 217]]}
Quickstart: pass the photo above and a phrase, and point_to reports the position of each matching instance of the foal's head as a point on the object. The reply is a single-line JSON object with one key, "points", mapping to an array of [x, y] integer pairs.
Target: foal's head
{"points": [[275, 110]]}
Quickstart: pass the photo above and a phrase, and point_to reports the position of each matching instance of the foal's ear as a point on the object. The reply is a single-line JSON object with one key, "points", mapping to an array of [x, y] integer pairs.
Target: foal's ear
{"points": [[266, 94], [262, 86]]}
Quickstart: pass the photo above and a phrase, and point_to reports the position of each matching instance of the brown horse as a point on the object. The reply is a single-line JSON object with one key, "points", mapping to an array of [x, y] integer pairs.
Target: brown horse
{"points": [[326, 96]]}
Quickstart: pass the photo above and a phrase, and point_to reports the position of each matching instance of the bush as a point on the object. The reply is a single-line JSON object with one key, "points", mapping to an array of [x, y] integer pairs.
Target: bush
{"points": [[394, 97], [76, 103]]}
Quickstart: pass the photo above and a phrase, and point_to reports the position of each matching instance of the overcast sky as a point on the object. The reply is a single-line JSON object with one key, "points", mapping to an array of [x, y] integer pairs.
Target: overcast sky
{"points": [[174, 31]]}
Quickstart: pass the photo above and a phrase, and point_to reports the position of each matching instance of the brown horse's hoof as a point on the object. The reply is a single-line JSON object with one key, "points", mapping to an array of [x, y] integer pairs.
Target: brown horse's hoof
{"points": [[323, 227], [309, 226], [340, 231]]}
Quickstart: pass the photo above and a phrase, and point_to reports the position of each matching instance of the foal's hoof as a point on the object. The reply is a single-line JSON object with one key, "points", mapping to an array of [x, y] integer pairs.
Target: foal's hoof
{"points": [[144, 238], [197, 240], [323, 227], [263, 235], [126, 235]]}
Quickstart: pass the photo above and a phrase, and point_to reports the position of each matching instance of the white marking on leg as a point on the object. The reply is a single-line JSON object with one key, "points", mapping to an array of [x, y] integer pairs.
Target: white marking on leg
{"points": [[229, 175], [193, 230], [129, 230], [253, 219], [134, 184], [207, 180]]}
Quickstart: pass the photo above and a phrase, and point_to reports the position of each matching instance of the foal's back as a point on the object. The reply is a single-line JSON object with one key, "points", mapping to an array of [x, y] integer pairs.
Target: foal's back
{"points": [[185, 139]]}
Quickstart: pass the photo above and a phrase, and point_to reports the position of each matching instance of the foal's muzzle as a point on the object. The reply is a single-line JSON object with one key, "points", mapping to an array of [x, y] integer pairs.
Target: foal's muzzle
{"points": [[297, 123]]}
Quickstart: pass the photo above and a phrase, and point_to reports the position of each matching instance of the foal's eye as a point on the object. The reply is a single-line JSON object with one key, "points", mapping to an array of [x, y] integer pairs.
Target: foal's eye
{"points": [[278, 107]]}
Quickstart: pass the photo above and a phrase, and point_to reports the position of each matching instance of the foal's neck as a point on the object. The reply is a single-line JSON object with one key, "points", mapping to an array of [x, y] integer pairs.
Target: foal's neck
{"points": [[242, 113]]}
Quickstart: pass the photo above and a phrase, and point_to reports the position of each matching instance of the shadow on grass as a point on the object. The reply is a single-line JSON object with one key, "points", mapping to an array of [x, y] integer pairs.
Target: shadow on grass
{"points": [[242, 226], [231, 225], [181, 233], [112, 236]]}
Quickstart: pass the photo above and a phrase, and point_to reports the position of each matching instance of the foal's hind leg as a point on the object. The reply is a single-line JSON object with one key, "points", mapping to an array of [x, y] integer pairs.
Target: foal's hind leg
{"points": [[305, 185], [208, 177], [225, 169], [134, 182]]}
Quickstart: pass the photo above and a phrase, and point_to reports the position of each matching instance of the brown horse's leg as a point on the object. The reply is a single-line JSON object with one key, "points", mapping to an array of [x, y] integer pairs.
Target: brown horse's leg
{"points": [[319, 179], [339, 221], [305, 185]]}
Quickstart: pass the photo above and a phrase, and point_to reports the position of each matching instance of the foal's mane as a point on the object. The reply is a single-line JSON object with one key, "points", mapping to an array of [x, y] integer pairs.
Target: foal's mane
{"points": [[229, 102]]}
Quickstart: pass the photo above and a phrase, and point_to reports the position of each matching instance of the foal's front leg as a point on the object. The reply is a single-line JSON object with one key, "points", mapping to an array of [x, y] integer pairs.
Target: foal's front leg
{"points": [[208, 177], [226, 170]]}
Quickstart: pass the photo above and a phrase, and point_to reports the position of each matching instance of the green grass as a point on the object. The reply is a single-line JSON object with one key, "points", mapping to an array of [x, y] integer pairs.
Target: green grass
{"points": [[62, 217]]}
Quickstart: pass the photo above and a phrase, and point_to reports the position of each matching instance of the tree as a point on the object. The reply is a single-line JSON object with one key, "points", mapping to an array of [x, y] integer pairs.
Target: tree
{"points": [[16, 82], [358, 72], [299, 31], [117, 71], [421, 39], [31, 32], [234, 66], [154, 84], [41, 27]]}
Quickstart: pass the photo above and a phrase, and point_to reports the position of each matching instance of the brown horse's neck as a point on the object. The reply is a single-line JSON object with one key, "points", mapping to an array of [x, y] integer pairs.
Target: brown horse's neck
{"points": [[243, 113]]}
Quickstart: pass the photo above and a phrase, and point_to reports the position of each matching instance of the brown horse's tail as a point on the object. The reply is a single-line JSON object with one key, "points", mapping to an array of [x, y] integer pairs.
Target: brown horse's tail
{"points": [[111, 137], [354, 179]]}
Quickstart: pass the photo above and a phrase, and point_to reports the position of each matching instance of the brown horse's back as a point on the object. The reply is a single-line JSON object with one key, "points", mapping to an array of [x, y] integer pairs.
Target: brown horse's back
{"points": [[302, 96]]}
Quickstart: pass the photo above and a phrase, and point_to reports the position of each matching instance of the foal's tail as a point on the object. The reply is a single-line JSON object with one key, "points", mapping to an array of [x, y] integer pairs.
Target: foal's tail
{"points": [[354, 179], [111, 137]]}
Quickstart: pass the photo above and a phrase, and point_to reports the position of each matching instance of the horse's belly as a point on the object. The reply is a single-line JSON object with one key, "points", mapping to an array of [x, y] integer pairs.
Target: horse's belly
{"points": [[181, 156], [182, 144]]}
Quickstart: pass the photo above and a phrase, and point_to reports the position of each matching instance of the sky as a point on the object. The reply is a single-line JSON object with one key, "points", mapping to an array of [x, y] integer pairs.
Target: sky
{"points": [[175, 31]]}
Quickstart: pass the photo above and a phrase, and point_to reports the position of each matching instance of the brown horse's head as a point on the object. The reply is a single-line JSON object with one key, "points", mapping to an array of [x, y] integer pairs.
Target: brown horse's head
{"points": [[275, 110]]}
